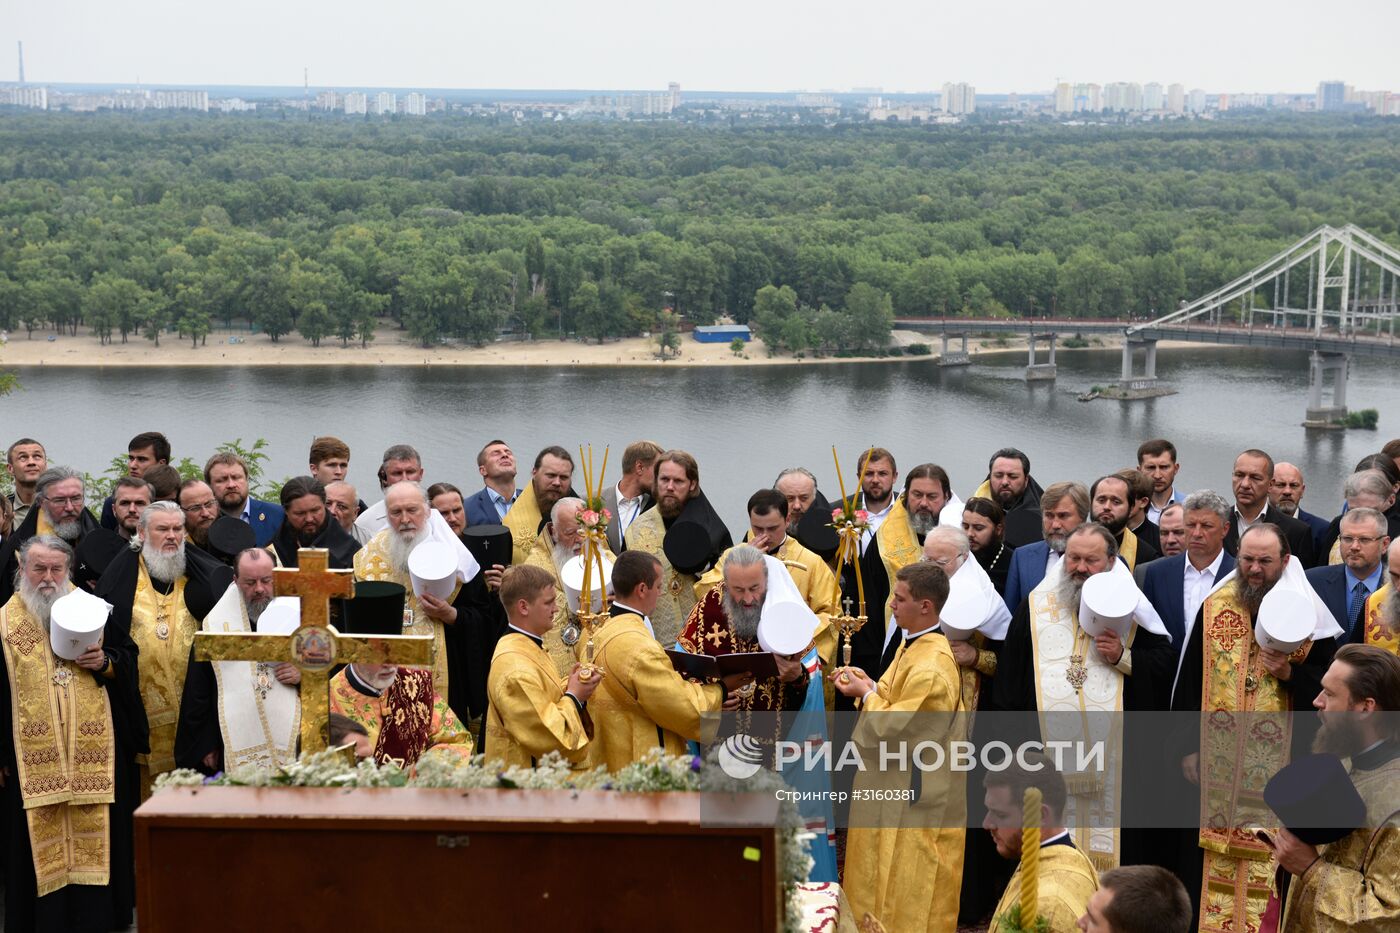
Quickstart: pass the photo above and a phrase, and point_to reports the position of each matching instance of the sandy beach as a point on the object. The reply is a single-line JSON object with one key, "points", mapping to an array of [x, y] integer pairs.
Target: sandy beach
{"points": [[392, 348]]}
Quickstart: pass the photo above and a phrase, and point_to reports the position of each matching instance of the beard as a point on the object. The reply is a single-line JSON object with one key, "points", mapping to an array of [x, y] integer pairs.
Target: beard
{"points": [[1057, 543], [1067, 593], [402, 543], [307, 536], [38, 600], [562, 554], [69, 531], [670, 506], [1114, 525], [381, 681], [922, 522], [1005, 497], [1252, 596], [256, 608], [199, 534], [1340, 735], [162, 566], [742, 619], [1287, 507]]}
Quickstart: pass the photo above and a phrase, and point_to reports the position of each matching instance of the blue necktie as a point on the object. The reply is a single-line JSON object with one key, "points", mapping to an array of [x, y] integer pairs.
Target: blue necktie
{"points": [[1357, 598]]}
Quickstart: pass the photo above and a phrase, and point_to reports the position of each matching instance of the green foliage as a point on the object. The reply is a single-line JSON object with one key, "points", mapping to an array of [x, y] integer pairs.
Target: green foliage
{"points": [[1366, 419], [1077, 342], [919, 349], [737, 345], [667, 335]]}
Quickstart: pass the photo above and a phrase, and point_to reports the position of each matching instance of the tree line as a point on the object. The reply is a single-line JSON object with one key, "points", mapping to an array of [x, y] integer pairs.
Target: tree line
{"points": [[461, 229]]}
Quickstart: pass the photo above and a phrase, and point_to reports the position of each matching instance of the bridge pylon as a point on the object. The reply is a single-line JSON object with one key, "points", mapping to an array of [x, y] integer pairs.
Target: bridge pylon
{"points": [[1320, 366], [1040, 372], [1130, 381], [954, 357]]}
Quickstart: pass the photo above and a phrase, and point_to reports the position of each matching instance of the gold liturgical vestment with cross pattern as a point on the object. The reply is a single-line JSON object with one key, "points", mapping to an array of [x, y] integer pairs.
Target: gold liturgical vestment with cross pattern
{"points": [[163, 629], [372, 563], [647, 534], [1376, 631], [65, 749]]}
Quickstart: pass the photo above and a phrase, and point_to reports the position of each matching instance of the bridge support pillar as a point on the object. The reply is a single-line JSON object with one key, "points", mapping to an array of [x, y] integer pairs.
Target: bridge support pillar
{"points": [[1148, 380], [954, 357], [1040, 372], [1321, 365]]}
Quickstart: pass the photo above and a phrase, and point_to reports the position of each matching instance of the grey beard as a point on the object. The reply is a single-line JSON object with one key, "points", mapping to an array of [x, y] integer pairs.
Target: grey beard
{"points": [[164, 567], [1287, 508], [400, 547], [922, 522], [38, 604], [562, 555], [1057, 542], [1251, 596], [1067, 593], [256, 608], [381, 681], [1340, 736], [742, 620], [1390, 612], [69, 531]]}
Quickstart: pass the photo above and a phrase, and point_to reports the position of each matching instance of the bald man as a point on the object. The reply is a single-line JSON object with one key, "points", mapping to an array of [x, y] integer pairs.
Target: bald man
{"points": [[1286, 495]]}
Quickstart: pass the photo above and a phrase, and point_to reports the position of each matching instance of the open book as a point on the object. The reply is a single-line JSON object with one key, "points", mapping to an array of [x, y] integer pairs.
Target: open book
{"points": [[760, 664]]}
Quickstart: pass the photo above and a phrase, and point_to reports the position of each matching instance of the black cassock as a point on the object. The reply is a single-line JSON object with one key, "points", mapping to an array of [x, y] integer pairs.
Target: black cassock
{"points": [[869, 650], [79, 908]]}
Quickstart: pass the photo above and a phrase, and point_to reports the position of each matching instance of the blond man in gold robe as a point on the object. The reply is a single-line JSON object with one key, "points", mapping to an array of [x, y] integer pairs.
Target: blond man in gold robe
{"points": [[532, 711], [904, 860]]}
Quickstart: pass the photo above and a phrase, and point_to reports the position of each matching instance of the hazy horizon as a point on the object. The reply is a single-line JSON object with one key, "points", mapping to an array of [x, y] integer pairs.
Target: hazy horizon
{"points": [[779, 47]]}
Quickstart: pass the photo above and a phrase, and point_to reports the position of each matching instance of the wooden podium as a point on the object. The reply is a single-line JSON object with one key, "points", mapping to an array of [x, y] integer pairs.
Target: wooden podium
{"points": [[313, 859]]}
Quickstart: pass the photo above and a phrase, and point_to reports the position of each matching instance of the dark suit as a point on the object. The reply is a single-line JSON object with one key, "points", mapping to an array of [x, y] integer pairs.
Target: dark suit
{"points": [[1318, 524], [481, 508], [1162, 582], [1334, 531], [265, 518], [1027, 570], [1331, 585], [615, 532], [1299, 535]]}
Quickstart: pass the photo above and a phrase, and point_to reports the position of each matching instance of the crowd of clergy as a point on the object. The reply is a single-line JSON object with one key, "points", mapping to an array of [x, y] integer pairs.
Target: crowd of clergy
{"points": [[1121, 593]]}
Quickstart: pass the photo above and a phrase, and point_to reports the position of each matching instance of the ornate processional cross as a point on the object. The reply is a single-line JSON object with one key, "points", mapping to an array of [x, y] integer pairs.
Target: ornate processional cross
{"points": [[316, 646]]}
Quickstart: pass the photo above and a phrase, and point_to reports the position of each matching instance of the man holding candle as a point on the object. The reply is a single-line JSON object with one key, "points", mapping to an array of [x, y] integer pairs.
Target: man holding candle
{"points": [[1054, 879]]}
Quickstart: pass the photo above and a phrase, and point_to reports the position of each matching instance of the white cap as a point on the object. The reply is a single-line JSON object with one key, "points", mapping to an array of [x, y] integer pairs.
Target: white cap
{"points": [[1108, 602], [966, 609], [281, 617], [785, 626], [1284, 621], [433, 568], [75, 622], [571, 578]]}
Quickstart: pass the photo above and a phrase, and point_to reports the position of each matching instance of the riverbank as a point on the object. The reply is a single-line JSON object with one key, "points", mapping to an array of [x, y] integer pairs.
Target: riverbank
{"points": [[391, 348]]}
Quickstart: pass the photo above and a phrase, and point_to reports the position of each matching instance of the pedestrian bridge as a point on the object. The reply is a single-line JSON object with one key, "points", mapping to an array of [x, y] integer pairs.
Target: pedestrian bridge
{"points": [[1335, 293]]}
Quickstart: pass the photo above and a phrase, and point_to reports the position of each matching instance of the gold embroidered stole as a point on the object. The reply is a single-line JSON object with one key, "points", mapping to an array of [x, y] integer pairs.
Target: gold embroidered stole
{"points": [[65, 751], [259, 717], [523, 520], [1064, 655], [647, 534], [898, 548], [1334, 556], [1127, 549], [164, 662], [1377, 632], [44, 526], [372, 563]]}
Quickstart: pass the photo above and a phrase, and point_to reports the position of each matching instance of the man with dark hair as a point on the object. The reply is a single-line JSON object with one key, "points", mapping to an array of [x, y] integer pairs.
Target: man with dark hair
{"points": [[1067, 878], [1224, 672], [984, 523], [1140, 492], [447, 499], [144, 452], [1010, 484], [227, 476], [550, 480], [489, 505], [1176, 586], [768, 531], [1353, 884], [400, 463], [1157, 459], [329, 459], [130, 497], [164, 482], [60, 495], [644, 704], [1111, 504], [929, 499], [1253, 474], [908, 875], [632, 494], [1063, 508], [309, 524], [1138, 899], [684, 532], [26, 460]]}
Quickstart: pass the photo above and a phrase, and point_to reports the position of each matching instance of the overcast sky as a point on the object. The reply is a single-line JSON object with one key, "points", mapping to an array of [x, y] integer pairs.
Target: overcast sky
{"points": [[762, 45]]}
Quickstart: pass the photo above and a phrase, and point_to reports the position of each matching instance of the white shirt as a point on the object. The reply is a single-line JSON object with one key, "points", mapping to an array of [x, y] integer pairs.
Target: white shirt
{"points": [[1195, 587], [1241, 525], [876, 520], [1051, 560], [627, 511]]}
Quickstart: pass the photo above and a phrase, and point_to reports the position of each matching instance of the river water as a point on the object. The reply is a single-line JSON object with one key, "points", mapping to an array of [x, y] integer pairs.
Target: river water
{"points": [[743, 423]]}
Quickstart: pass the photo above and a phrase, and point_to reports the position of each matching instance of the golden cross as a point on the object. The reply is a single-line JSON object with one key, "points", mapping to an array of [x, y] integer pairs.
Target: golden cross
{"points": [[316, 647]]}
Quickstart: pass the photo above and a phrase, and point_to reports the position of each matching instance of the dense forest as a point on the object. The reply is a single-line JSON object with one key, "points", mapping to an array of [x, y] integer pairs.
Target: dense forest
{"points": [[453, 228]]}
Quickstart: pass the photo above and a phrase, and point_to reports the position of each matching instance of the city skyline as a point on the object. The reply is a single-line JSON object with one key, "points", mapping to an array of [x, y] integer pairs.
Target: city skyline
{"points": [[895, 45]]}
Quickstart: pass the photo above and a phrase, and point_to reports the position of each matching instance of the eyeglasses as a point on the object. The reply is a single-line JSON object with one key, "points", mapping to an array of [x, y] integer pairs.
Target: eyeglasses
{"points": [[65, 500], [209, 506], [1349, 540], [940, 562]]}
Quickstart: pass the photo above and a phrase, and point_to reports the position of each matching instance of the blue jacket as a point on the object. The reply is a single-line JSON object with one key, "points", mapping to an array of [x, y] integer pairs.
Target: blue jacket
{"points": [[1330, 583], [266, 520], [1027, 570], [480, 509], [1319, 528], [1161, 584]]}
